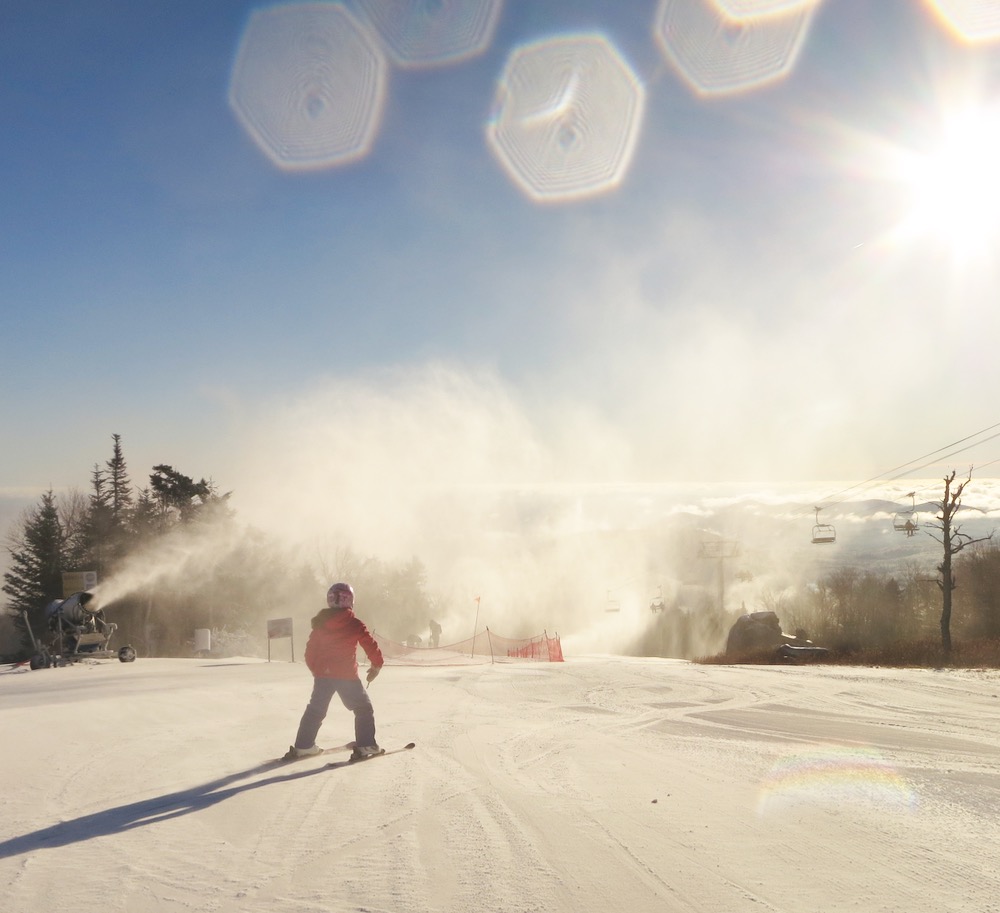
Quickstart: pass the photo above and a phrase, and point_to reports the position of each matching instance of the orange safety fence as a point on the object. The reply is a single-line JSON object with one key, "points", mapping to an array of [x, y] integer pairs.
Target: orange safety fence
{"points": [[484, 647]]}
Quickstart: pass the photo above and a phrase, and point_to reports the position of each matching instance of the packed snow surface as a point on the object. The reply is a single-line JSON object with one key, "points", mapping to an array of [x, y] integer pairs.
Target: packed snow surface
{"points": [[602, 783]]}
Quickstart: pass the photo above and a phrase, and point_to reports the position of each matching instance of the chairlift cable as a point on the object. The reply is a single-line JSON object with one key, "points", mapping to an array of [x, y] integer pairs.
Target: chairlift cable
{"points": [[903, 469], [932, 462]]}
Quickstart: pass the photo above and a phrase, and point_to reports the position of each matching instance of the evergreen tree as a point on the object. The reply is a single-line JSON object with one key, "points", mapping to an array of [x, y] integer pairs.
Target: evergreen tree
{"points": [[147, 518], [112, 506], [35, 577], [99, 536], [179, 495], [90, 550], [120, 487]]}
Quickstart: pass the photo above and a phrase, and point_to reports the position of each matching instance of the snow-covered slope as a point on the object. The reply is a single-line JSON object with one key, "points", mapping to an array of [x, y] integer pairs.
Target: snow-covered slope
{"points": [[603, 783]]}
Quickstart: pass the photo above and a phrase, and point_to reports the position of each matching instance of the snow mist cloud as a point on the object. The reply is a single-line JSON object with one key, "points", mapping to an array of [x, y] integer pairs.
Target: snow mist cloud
{"points": [[456, 470]]}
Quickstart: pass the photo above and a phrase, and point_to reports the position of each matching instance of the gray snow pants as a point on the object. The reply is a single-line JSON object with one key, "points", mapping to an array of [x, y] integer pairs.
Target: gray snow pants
{"points": [[353, 696]]}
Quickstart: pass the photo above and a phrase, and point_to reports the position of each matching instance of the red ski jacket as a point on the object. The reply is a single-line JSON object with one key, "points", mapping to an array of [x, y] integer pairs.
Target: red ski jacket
{"points": [[332, 648]]}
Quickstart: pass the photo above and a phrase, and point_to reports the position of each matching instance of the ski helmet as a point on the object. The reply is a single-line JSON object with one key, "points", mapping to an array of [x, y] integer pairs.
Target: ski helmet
{"points": [[331, 594]]}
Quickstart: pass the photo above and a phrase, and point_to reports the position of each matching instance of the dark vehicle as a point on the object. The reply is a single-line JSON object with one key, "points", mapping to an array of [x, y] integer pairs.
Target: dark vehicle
{"points": [[77, 630], [760, 632]]}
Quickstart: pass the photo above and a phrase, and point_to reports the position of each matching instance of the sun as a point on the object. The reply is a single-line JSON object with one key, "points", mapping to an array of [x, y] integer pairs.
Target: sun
{"points": [[954, 186]]}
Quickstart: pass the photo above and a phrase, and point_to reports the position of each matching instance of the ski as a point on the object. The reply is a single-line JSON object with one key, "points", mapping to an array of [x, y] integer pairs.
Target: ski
{"points": [[381, 754], [289, 758]]}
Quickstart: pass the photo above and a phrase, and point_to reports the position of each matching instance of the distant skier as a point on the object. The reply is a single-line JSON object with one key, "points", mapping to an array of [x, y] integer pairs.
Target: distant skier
{"points": [[435, 633], [331, 655]]}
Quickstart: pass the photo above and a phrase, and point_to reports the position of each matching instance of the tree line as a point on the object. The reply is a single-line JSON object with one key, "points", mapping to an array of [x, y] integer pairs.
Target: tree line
{"points": [[173, 557], [853, 610]]}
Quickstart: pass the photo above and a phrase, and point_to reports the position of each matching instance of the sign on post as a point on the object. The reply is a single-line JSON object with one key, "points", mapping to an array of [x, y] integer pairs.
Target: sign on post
{"points": [[279, 627], [78, 582]]}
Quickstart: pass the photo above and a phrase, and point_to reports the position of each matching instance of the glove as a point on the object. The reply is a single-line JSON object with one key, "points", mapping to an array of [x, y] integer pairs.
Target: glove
{"points": [[373, 671]]}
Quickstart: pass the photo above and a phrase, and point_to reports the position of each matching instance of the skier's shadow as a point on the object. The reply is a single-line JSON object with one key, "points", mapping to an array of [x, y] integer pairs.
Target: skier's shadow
{"points": [[147, 811]]}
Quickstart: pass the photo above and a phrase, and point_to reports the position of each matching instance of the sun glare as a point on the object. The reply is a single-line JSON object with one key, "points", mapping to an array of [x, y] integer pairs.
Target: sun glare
{"points": [[955, 187]]}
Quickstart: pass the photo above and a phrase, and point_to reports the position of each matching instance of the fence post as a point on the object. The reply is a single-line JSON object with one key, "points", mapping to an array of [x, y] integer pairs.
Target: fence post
{"points": [[475, 628]]}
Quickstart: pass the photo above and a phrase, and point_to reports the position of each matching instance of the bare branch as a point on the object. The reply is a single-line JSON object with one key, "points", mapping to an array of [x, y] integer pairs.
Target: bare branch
{"points": [[965, 540]]}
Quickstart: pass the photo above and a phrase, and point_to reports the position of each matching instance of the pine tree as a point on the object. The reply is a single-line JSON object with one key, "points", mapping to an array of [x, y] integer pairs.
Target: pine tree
{"points": [[103, 538], [35, 577], [91, 551], [118, 507], [179, 495], [75, 517], [120, 491]]}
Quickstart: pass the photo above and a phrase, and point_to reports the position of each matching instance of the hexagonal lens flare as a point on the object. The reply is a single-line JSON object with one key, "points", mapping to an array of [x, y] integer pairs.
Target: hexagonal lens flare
{"points": [[971, 20], [308, 85], [567, 116], [716, 52], [747, 9], [423, 33]]}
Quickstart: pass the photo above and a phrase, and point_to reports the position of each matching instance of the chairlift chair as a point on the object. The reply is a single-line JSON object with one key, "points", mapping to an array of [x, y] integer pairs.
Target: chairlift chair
{"points": [[823, 532], [905, 521]]}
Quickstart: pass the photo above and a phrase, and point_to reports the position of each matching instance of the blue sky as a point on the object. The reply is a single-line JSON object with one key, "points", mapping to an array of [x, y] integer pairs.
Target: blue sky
{"points": [[747, 301]]}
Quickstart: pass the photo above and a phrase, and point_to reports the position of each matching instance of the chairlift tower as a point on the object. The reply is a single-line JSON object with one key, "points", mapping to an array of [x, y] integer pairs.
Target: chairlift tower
{"points": [[720, 549]]}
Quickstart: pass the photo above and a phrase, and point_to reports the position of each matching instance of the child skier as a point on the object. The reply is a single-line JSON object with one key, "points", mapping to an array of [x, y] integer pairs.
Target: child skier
{"points": [[331, 656]]}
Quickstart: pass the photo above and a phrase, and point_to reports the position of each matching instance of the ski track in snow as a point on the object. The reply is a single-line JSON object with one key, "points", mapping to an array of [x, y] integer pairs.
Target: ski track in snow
{"points": [[601, 783]]}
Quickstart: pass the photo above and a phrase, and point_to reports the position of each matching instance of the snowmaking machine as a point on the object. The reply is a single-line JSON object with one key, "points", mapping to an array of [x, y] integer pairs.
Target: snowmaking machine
{"points": [[76, 629]]}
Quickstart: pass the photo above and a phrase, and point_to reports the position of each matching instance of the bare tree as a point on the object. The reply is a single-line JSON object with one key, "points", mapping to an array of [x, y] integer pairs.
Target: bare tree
{"points": [[953, 540]]}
